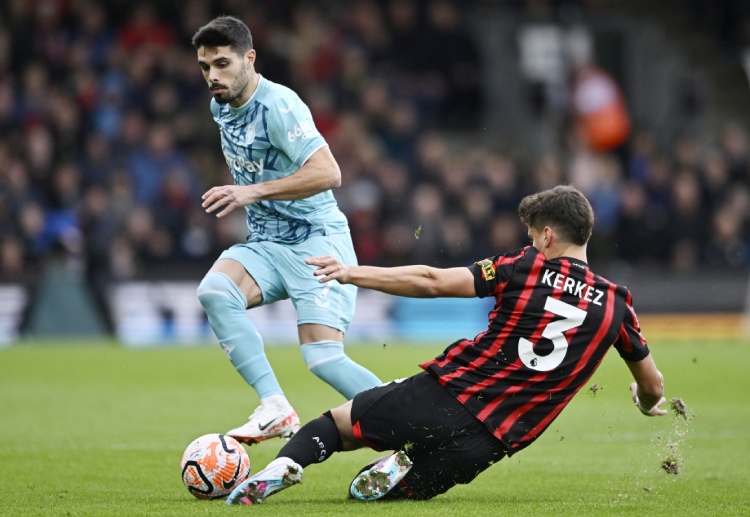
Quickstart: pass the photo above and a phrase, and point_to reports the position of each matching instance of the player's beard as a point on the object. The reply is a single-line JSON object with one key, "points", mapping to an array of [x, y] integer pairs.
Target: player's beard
{"points": [[233, 91]]}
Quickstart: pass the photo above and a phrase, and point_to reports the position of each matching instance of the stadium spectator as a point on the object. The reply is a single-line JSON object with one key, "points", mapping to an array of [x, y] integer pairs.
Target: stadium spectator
{"points": [[145, 30], [150, 165], [599, 108], [640, 233], [736, 146], [687, 223], [448, 53], [727, 248]]}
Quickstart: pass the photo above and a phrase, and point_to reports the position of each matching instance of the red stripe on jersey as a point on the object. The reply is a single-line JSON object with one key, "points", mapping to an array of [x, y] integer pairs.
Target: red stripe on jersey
{"points": [[518, 310], [535, 336], [636, 324], [487, 375], [457, 350], [490, 407], [513, 417], [600, 334], [624, 338], [468, 392]]}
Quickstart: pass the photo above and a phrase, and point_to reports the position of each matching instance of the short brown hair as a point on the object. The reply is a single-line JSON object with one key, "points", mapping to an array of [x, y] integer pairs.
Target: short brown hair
{"points": [[224, 31], [563, 208]]}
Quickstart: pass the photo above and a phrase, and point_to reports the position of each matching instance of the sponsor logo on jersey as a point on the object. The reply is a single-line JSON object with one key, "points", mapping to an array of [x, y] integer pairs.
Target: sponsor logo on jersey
{"points": [[303, 130], [488, 268], [236, 162]]}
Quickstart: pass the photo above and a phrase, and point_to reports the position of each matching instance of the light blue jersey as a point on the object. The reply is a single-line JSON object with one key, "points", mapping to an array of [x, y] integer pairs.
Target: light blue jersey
{"points": [[270, 137]]}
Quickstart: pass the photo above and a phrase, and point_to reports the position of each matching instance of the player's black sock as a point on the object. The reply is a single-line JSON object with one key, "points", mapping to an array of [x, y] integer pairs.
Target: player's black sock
{"points": [[314, 442]]}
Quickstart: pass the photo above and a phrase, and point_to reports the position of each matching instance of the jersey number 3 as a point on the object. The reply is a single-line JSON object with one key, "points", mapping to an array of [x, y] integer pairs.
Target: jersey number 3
{"points": [[572, 318]]}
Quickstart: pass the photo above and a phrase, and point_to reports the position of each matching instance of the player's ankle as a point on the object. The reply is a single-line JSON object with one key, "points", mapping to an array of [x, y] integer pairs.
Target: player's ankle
{"points": [[278, 402]]}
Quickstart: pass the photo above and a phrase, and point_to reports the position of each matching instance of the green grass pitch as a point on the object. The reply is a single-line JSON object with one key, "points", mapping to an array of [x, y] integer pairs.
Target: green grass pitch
{"points": [[95, 429]]}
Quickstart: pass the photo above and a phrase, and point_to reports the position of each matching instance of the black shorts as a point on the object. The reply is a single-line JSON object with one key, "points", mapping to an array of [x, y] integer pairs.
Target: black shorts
{"points": [[445, 441]]}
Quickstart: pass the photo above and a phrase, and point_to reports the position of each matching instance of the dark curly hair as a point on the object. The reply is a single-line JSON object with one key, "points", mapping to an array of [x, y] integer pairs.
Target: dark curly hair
{"points": [[563, 208], [224, 31]]}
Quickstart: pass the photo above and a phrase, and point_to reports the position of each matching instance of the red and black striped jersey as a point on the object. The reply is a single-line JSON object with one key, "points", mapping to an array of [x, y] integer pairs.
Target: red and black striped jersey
{"points": [[552, 323]]}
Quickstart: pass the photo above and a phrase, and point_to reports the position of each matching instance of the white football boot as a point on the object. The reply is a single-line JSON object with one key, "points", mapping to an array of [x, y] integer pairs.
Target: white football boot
{"points": [[379, 478], [265, 423], [281, 473]]}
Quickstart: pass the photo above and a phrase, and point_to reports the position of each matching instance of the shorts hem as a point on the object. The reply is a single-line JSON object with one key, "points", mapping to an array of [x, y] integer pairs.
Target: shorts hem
{"points": [[337, 326]]}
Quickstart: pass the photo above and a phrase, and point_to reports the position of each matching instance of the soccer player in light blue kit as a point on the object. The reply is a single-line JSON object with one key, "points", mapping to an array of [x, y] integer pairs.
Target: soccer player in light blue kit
{"points": [[283, 173]]}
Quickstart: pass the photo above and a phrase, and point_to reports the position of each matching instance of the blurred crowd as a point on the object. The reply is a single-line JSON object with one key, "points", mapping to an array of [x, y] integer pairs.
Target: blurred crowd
{"points": [[107, 143]]}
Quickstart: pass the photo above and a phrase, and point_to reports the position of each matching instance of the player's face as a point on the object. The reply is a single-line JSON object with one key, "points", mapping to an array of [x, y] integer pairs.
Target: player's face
{"points": [[225, 72]]}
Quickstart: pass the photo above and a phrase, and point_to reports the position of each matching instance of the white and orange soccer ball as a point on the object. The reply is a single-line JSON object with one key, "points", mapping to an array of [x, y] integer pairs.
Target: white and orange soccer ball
{"points": [[213, 465]]}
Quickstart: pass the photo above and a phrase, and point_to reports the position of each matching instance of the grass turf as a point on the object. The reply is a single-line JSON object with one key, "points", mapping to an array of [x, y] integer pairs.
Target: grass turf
{"points": [[95, 429]]}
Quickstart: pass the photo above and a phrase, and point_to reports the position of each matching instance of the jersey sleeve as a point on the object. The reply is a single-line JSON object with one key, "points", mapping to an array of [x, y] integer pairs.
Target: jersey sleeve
{"points": [[291, 128], [630, 344], [492, 274]]}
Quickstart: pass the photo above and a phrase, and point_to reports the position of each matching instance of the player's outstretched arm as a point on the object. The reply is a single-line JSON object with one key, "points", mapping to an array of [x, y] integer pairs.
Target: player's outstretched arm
{"points": [[648, 389], [411, 281]]}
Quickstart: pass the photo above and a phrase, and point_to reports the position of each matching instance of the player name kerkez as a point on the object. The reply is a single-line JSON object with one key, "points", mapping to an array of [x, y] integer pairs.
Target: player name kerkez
{"points": [[570, 285]]}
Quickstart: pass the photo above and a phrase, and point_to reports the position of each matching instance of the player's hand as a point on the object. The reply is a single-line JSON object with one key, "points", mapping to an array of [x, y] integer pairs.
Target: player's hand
{"points": [[329, 269], [654, 411], [229, 197]]}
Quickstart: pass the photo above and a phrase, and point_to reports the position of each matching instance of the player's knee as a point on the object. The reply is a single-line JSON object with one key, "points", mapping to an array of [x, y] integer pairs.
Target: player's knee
{"points": [[317, 355], [325, 359], [328, 361], [217, 290]]}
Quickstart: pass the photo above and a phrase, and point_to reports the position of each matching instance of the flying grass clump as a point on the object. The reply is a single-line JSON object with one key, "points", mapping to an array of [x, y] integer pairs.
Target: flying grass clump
{"points": [[679, 408], [671, 465]]}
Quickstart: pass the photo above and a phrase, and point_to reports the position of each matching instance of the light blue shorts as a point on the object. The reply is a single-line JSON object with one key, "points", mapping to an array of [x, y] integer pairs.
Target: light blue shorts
{"points": [[281, 272]]}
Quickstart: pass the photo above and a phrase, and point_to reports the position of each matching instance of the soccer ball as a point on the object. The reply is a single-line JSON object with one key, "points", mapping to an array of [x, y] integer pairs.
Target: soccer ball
{"points": [[213, 465]]}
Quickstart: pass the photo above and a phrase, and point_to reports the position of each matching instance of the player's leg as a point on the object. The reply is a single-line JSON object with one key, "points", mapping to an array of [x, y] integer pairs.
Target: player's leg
{"points": [[225, 293], [324, 313], [315, 442], [278, 475], [323, 351], [444, 442], [458, 460]]}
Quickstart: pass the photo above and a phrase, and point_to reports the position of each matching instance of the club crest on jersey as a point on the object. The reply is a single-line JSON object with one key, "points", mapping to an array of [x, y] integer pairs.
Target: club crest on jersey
{"points": [[488, 268], [249, 136]]}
